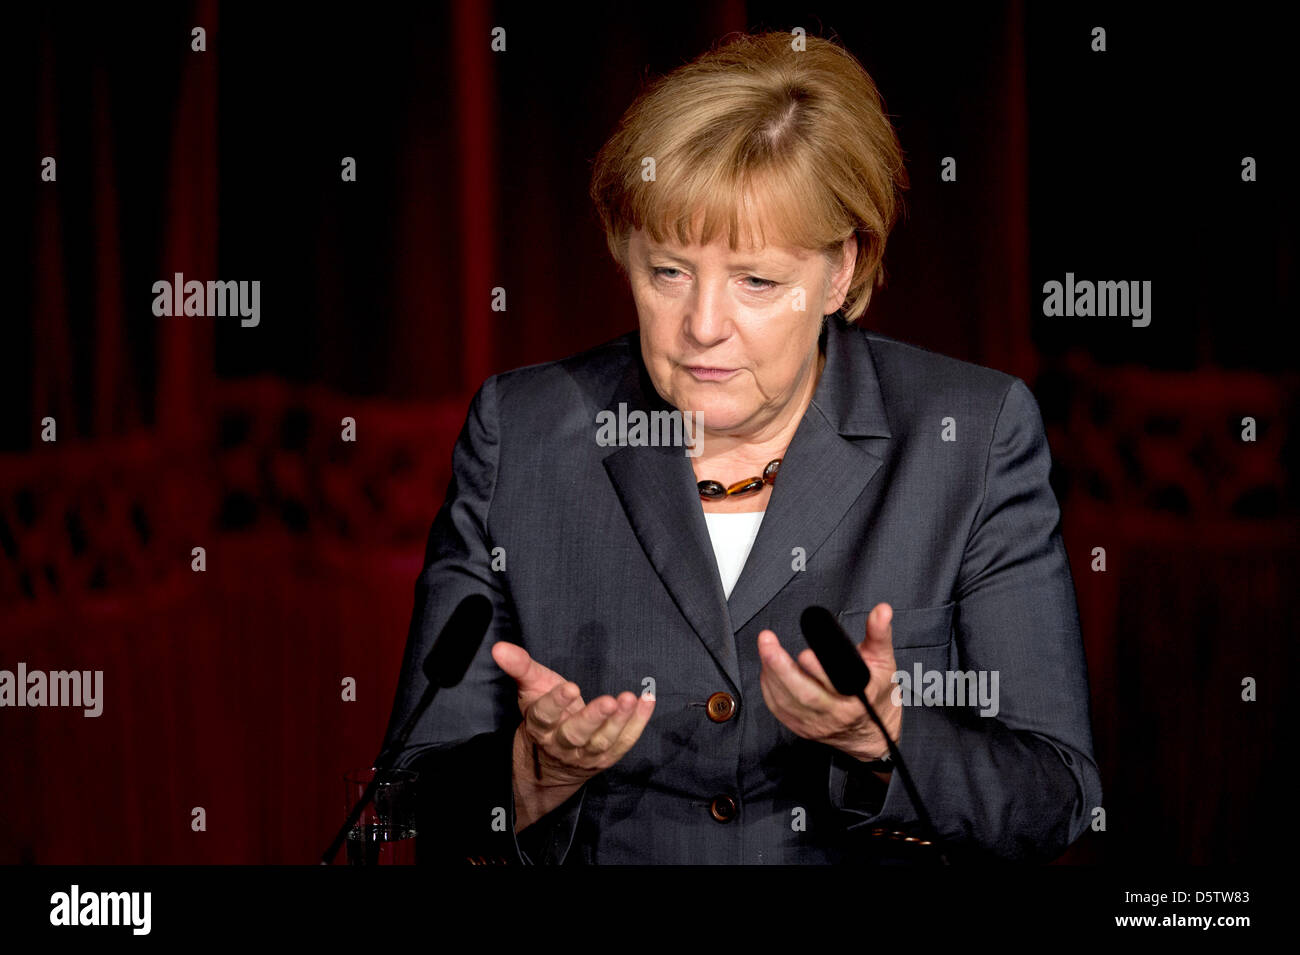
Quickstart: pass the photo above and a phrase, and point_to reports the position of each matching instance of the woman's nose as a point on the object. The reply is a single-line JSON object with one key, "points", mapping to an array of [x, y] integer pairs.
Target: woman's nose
{"points": [[708, 314]]}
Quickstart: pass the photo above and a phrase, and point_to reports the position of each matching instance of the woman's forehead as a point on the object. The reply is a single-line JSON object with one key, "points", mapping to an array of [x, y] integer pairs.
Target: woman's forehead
{"points": [[771, 252]]}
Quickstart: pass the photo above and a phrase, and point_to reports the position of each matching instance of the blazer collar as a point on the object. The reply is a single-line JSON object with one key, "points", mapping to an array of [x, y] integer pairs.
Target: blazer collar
{"points": [[848, 394], [824, 471]]}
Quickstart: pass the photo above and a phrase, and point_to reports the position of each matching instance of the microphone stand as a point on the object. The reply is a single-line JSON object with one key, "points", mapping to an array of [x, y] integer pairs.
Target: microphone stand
{"points": [[445, 666], [382, 762], [900, 767]]}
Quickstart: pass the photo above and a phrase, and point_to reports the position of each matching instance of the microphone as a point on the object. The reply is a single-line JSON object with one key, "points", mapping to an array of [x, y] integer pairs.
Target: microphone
{"points": [[454, 650], [850, 676], [835, 651], [445, 666]]}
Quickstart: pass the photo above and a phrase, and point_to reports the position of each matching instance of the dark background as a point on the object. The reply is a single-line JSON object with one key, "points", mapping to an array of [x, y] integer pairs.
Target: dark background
{"points": [[222, 689]]}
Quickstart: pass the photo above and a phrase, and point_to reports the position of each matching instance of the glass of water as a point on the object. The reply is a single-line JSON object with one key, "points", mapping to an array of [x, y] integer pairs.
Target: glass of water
{"points": [[385, 832]]}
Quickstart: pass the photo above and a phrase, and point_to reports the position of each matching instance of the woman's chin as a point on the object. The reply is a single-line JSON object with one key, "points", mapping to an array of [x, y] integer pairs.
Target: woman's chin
{"points": [[719, 419], [715, 410]]}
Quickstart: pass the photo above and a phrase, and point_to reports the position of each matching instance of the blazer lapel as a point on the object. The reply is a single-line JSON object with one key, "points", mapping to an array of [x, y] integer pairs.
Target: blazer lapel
{"points": [[823, 472], [656, 486]]}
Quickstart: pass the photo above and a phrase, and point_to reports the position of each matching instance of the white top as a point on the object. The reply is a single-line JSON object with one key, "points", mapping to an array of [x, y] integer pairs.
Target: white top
{"points": [[733, 536]]}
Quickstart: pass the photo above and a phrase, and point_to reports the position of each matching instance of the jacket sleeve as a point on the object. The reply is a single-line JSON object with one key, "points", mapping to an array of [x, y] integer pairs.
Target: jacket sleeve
{"points": [[462, 745], [1020, 784]]}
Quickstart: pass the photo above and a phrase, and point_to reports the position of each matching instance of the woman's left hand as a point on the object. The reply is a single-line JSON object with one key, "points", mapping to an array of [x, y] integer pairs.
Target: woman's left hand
{"points": [[800, 695]]}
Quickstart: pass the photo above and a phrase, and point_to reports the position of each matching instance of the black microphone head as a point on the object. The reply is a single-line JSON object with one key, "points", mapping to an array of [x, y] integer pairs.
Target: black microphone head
{"points": [[455, 648], [835, 651]]}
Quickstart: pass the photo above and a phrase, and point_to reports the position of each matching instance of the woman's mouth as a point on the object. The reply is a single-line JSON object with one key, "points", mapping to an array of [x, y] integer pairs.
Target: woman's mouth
{"points": [[702, 373]]}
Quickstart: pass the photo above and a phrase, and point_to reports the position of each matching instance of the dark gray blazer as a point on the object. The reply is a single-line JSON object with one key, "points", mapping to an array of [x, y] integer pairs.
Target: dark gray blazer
{"points": [[606, 575]]}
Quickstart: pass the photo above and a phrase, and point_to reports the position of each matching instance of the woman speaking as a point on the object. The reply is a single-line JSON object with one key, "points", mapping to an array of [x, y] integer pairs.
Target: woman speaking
{"points": [[645, 693]]}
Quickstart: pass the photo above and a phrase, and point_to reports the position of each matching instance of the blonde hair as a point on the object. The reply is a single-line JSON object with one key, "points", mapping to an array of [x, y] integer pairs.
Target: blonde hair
{"points": [[799, 138]]}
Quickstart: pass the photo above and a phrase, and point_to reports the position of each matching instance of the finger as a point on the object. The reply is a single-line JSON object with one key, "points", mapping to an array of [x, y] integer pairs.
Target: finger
{"points": [[775, 692], [847, 709], [790, 678], [574, 730], [789, 711], [635, 725], [533, 678], [879, 640], [551, 707], [575, 705], [813, 667], [603, 739], [842, 713], [877, 648], [777, 696], [511, 657]]}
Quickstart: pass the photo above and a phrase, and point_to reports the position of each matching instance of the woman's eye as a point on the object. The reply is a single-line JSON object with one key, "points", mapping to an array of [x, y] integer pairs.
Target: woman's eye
{"points": [[670, 272]]}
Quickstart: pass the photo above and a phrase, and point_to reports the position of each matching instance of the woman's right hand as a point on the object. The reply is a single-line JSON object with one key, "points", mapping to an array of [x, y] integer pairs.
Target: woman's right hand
{"points": [[562, 742]]}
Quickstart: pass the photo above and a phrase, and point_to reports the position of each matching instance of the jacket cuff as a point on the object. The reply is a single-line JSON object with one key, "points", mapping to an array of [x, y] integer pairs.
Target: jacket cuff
{"points": [[465, 801], [547, 841], [856, 790]]}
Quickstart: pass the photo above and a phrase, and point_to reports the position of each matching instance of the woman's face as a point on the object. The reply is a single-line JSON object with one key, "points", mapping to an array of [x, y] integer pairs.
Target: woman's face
{"points": [[732, 336]]}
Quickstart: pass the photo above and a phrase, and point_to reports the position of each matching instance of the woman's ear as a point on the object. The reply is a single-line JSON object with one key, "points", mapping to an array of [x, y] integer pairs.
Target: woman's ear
{"points": [[841, 275]]}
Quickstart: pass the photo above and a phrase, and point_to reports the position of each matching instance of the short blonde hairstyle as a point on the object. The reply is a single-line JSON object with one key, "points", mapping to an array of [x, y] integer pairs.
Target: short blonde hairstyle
{"points": [[798, 137]]}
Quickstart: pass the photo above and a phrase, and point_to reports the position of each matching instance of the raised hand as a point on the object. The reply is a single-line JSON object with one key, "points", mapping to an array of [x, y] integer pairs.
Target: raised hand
{"points": [[801, 696], [562, 742]]}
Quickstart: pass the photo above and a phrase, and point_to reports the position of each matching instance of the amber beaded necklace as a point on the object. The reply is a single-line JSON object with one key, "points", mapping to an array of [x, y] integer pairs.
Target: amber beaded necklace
{"points": [[716, 491]]}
